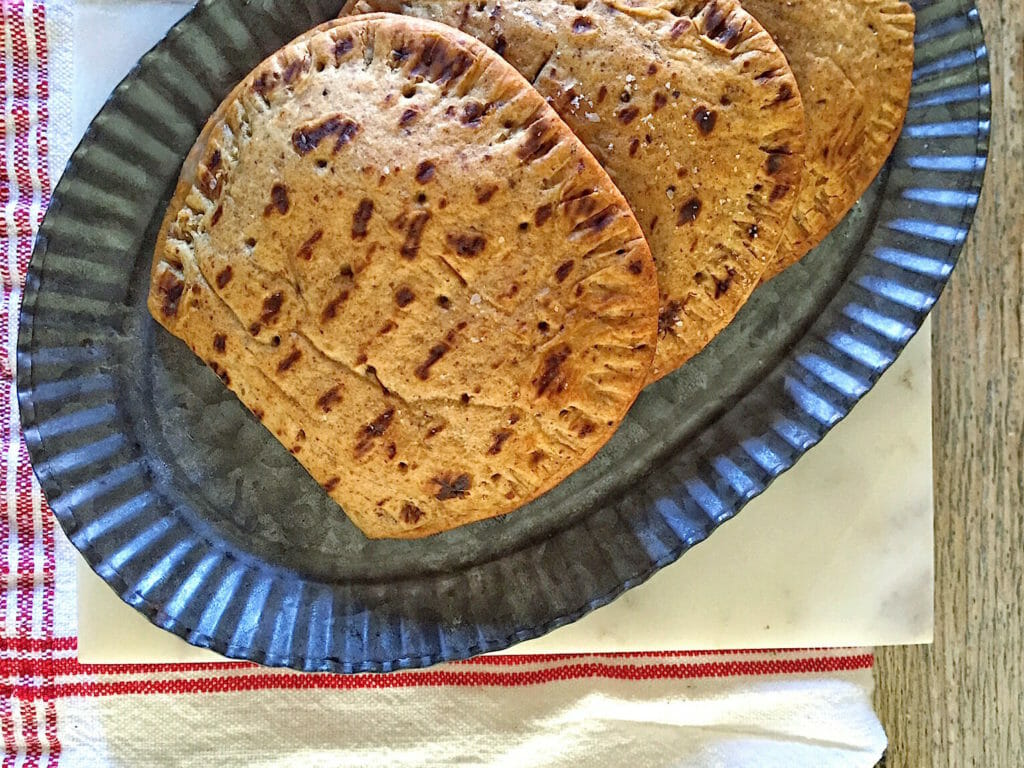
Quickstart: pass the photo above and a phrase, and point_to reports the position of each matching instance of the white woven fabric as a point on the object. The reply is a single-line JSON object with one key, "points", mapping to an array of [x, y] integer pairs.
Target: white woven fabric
{"points": [[743, 708]]}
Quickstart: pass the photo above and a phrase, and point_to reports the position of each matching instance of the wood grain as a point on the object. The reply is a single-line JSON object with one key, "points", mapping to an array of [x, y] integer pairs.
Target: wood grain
{"points": [[960, 701]]}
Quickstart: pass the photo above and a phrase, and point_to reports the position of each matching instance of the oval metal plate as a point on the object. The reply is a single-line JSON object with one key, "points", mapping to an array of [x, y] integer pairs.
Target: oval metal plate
{"points": [[195, 514]]}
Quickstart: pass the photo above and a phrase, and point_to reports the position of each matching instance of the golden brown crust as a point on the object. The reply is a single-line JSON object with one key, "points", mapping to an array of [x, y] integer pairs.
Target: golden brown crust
{"points": [[693, 111], [853, 60], [401, 260]]}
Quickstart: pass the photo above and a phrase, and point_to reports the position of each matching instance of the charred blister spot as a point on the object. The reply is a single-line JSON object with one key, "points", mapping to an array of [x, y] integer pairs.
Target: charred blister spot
{"points": [[216, 215], [308, 137], [652, 69], [636, 267], [170, 288], [265, 83], [484, 194], [542, 214], [329, 398], [441, 62], [563, 270], [580, 203], [536, 457], [585, 429], [660, 100], [434, 430], [602, 94], [689, 211], [408, 116], [331, 310], [342, 47], [723, 283], [213, 161], [499, 439], [271, 307], [551, 374], [404, 296], [500, 45], [220, 342], [392, 451], [306, 249], [451, 486], [776, 162], [372, 431], [705, 119], [668, 317], [634, 145], [255, 329], [289, 360], [714, 19], [565, 100], [467, 245], [541, 138], [331, 484], [727, 35], [258, 413], [361, 219], [785, 93], [778, 192], [473, 113], [582, 24], [414, 234], [444, 302], [295, 68], [598, 222], [628, 115], [436, 353], [425, 171], [680, 28], [411, 514], [224, 276], [387, 328], [278, 200]]}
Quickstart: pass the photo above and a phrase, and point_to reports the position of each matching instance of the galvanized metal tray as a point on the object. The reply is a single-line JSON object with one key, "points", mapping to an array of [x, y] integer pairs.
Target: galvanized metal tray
{"points": [[196, 515]]}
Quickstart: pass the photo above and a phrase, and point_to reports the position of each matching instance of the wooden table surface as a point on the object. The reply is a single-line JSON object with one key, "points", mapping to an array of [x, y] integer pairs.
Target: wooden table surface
{"points": [[960, 702]]}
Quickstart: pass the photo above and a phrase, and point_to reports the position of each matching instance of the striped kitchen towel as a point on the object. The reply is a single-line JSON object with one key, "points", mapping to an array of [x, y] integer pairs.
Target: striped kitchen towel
{"points": [[736, 708]]}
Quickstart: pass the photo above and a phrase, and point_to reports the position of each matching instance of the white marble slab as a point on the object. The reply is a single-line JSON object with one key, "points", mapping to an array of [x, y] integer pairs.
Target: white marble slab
{"points": [[837, 552]]}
